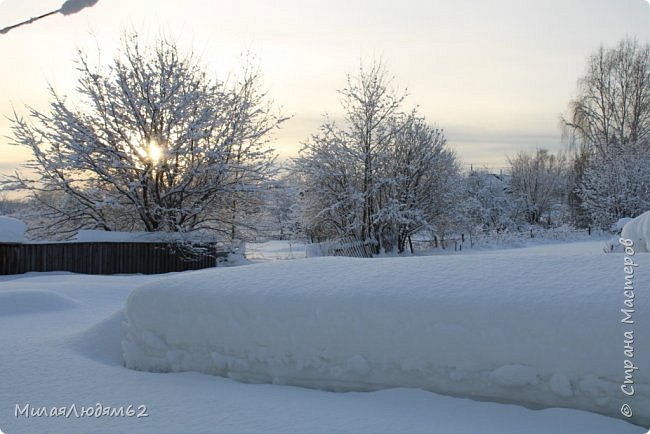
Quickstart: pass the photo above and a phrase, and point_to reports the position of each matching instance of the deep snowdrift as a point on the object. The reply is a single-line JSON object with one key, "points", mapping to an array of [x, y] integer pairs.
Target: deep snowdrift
{"points": [[525, 326], [638, 230], [74, 356]]}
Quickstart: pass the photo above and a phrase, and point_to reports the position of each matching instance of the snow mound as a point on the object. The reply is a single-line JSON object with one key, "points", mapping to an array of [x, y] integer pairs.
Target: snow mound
{"points": [[103, 341], [20, 302], [638, 230], [12, 230], [531, 328], [620, 224]]}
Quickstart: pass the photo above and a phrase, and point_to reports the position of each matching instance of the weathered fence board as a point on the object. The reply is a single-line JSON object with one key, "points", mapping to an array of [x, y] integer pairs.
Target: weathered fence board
{"points": [[102, 258]]}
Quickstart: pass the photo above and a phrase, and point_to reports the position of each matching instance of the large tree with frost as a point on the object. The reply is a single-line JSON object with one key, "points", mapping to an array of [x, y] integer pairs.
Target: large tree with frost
{"points": [[381, 175], [612, 108], [539, 183], [608, 124], [419, 184], [614, 186], [489, 202], [153, 143]]}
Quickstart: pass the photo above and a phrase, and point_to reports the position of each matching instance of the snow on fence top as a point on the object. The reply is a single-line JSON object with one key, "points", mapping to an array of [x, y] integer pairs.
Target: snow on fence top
{"points": [[538, 328], [12, 230], [638, 230], [101, 236]]}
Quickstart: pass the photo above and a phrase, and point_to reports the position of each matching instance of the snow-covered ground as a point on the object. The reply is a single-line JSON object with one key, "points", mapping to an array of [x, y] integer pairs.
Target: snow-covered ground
{"points": [[61, 346], [275, 250]]}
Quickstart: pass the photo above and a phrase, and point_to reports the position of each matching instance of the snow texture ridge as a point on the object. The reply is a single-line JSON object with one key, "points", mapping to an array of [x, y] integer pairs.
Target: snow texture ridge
{"points": [[533, 328]]}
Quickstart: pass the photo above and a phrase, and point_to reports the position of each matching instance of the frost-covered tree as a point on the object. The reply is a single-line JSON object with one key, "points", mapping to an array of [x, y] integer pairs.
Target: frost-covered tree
{"points": [[614, 186], [421, 176], [608, 122], [381, 176], [489, 203], [539, 181], [330, 199], [277, 218], [153, 144], [612, 108], [371, 109]]}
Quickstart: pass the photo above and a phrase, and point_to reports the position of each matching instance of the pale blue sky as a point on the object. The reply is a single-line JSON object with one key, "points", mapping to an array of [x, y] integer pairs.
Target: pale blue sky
{"points": [[495, 74]]}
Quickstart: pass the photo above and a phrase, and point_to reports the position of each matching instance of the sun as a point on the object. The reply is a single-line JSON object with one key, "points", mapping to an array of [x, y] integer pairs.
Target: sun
{"points": [[147, 150], [154, 152]]}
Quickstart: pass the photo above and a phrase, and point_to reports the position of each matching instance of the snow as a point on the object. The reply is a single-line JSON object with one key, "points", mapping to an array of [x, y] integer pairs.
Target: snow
{"points": [[89, 236], [620, 224], [95, 236], [529, 326], [12, 230], [23, 302], [638, 230], [68, 351], [275, 250]]}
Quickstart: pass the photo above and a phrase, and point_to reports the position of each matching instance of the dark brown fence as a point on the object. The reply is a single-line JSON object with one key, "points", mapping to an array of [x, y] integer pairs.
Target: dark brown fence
{"points": [[104, 258]]}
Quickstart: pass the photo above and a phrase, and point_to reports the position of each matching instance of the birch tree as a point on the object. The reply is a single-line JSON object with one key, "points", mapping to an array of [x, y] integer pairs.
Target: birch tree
{"points": [[612, 108], [609, 122]]}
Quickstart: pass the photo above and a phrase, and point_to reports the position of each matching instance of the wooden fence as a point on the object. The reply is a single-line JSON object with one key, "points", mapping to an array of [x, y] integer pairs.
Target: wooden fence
{"points": [[104, 258]]}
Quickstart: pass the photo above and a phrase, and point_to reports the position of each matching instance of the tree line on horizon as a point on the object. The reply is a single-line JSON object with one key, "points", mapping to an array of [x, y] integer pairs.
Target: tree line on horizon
{"points": [[160, 145]]}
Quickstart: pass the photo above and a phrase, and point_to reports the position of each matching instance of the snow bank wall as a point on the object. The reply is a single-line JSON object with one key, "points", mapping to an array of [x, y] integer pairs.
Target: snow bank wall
{"points": [[638, 230], [530, 327]]}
